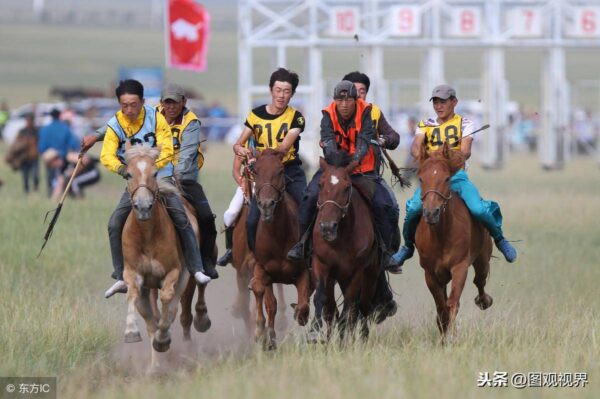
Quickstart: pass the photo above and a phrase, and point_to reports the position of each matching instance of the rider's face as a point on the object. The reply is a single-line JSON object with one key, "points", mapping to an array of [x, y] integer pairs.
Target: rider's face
{"points": [[361, 89], [444, 108], [281, 93], [131, 105], [172, 109], [345, 106]]}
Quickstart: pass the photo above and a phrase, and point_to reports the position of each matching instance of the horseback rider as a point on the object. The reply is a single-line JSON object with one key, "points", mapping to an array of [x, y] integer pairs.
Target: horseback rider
{"points": [[278, 126], [347, 124], [137, 123], [451, 128], [185, 127]]}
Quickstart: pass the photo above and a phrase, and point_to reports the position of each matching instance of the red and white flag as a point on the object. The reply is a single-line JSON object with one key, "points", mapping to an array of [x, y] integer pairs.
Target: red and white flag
{"points": [[186, 35]]}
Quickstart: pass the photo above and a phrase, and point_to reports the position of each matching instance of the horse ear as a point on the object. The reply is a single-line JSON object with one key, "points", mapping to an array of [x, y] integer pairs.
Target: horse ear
{"points": [[128, 145], [423, 154], [446, 150], [322, 163], [158, 150]]}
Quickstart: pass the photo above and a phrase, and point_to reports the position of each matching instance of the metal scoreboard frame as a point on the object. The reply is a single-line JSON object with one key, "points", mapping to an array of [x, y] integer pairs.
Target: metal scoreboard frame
{"points": [[432, 27]]}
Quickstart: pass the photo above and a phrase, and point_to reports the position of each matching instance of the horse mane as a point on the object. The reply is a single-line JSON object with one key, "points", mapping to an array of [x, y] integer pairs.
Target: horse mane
{"points": [[140, 150], [455, 159]]}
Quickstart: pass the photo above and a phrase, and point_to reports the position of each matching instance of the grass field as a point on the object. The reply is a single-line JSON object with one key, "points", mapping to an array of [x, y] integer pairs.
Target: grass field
{"points": [[545, 318]]}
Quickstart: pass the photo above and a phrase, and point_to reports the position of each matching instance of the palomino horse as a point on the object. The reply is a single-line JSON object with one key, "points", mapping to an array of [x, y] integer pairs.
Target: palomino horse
{"points": [[345, 247], [276, 234], [152, 253], [448, 238]]}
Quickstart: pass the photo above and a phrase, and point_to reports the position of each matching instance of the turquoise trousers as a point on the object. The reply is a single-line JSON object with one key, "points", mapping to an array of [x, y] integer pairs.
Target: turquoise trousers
{"points": [[486, 212]]}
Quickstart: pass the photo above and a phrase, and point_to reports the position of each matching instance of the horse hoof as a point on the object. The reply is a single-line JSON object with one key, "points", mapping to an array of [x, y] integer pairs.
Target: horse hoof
{"points": [[132, 337], [202, 324], [161, 346], [483, 301]]}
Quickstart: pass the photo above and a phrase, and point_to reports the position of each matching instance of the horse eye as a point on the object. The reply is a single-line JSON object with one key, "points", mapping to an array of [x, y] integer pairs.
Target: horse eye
{"points": [[420, 180], [128, 176], [447, 179], [320, 186], [155, 174]]}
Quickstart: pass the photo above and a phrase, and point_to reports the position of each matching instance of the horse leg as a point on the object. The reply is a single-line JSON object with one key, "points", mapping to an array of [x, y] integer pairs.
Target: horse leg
{"points": [[303, 286], [134, 282], [351, 304], [271, 307], [459, 277], [169, 300], [201, 322], [186, 309], [241, 306], [281, 322], [146, 309], [438, 291], [319, 300], [482, 271], [369, 285], [257, 286]]}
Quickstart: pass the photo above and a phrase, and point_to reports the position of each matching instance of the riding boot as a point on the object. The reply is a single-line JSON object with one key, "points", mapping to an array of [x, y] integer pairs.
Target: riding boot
{"points": [[228, 255], [209, 235]]}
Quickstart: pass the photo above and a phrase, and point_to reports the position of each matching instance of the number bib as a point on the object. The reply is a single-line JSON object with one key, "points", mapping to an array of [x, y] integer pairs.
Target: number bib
{"points": [[146, 133], [436, 136], [270, 130]]}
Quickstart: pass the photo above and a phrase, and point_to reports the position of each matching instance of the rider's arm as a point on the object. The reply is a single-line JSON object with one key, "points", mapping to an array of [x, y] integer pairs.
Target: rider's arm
{"points": [[387, 132], [364, 137], [108, 155], [188, 150], [327, 134], [237, 173], [466, 142], [289, 140], [415, 147], [164, 140], [239, 147]]}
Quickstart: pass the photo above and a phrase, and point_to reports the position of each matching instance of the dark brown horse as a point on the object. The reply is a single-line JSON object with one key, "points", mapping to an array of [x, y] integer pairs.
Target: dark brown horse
{"points": [[345, 248], [277, 232], [448, 239]]}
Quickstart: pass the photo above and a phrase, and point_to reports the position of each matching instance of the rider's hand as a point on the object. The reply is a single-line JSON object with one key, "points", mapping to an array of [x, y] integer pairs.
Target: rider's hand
{"points": [[241, 151], [87, 142], [381, 141], [122, 171]]}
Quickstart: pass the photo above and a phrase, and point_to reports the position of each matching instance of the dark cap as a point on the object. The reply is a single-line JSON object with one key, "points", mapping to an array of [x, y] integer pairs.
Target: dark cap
{"points": [[55, 113], [443, 91], [345, 89], [172, 91]]}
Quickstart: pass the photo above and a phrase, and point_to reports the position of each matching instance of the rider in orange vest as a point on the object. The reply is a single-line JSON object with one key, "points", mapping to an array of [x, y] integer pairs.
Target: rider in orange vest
{"points": [[347, 125]]}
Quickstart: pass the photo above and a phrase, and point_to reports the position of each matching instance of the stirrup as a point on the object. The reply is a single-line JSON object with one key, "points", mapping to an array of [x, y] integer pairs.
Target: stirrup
{"points": [[296, 253]]}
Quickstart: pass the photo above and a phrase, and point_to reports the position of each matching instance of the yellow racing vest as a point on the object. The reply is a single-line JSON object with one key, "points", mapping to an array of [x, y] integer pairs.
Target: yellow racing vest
{"points": [[436, 136]]}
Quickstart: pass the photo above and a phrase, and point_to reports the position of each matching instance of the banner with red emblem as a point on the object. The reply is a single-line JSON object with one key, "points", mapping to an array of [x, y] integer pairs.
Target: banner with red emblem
{"points": [[187, 27]]}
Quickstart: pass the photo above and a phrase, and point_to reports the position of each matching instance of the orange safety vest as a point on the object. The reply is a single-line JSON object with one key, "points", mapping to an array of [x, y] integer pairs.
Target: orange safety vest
{"points": [[347, 140]]}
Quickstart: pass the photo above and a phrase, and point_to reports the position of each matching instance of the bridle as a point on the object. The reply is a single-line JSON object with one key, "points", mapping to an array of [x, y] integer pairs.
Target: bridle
{"points": [[280, 191], [344, 208], [446, 198]]}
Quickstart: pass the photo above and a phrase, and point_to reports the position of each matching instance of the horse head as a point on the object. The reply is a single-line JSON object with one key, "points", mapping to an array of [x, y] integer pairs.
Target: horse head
{"points": [[335, 190], [142, 185], [270, 182], [435, 170]]}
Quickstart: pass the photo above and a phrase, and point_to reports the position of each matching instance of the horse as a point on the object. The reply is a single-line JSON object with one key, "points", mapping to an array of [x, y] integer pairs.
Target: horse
{"points": [[345, 248], [277, 232], [448, 239], [152, 253]]}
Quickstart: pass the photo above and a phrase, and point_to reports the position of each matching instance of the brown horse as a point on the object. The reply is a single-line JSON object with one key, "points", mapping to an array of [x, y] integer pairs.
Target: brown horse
{"points": [[152, 253], [345, 248], [277, 232], [448, 238]]}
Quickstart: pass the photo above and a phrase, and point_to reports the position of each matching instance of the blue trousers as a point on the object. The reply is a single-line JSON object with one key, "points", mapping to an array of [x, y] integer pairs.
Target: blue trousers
{"points": [[486, 212]]}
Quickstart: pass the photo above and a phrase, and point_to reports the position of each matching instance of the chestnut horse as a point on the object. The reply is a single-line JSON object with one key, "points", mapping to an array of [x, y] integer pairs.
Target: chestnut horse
{"points": [[243, 262], [345, 248], [277, 232], [448, 239], [152, 253]]}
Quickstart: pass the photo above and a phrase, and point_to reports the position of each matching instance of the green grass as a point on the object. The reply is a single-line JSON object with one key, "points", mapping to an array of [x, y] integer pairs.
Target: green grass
{"points": [[55, 322]]}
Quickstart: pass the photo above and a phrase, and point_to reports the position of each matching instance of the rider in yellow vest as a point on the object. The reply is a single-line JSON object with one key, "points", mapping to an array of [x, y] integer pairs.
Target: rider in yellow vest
{"points": [[137, 123], [451, 128], [276, 125]]}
